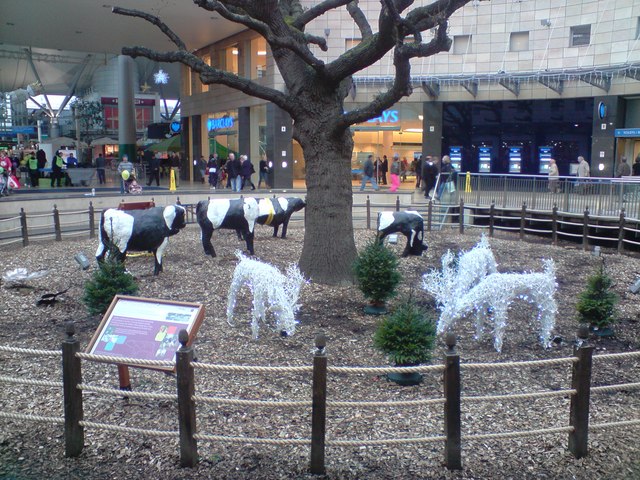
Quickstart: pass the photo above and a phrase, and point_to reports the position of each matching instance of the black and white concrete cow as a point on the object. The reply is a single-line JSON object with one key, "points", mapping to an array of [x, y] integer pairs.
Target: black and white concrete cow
{"points": [[238, 214], [409, 223], [139, 231], [278, 211]]}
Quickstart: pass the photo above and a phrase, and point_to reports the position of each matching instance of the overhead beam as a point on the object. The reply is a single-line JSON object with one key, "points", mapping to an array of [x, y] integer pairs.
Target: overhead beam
{"points": [[602, 81], [52, 113], [431, 88], [511, 84], [74, 83], [632, 72], [553, 83], [471, 87]]}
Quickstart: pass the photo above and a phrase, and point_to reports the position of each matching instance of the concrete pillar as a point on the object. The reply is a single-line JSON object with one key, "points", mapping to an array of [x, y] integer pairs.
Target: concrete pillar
{"points": [[279, 149], [608, 114], [244, 131], [432, 129], [126, 107]]}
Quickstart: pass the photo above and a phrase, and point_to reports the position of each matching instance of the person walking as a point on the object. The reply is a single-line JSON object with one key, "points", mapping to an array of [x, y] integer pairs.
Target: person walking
{"points": [[624, 169], [417, 166], [212, 168], [447, 174], [395, 173], [100, 163], [124, 166], [174, 163], [56, 169], [34, 173], [368, 174], [247, 171], [234, 171], [584, 171], [202, 168], [636, 167], [429, 176], [554, 176], [384, 168], [264, 171], [154, 170]]}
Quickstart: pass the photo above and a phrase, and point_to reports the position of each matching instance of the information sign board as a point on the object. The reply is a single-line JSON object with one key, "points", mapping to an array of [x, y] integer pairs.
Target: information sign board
{"points": [[145, 329], [484, 159], [544, 153], [455, 155], [515, 159]]}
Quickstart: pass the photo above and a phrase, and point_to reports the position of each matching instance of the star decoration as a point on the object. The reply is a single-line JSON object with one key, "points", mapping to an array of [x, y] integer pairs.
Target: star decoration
{"points": [[145, 87], [161, 77]]}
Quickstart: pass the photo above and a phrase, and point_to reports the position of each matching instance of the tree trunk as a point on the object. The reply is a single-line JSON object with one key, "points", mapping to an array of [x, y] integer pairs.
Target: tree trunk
{"points": [[329, 247]]}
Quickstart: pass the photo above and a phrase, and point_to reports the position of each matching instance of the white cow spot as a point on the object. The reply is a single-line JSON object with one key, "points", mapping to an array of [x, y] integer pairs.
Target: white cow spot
{"points": [[251, 212], [169, 214], [384, 220], [119, 227], [284, 203], [217, 210]]}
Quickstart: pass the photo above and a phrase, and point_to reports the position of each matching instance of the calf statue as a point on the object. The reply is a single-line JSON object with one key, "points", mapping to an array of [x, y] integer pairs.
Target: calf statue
{"points": [[278, 211], [409, 223], [238, 214], [139, 231]]}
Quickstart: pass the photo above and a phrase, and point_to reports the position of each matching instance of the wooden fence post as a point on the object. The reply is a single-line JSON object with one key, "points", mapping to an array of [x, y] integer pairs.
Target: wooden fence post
{"points": [[429, 215], [585, 230], [621, 232], [92, 221], [368, 205], [25, 229], [461, 217], [523, 216], [554, 224], [397, 203], [492, 219], [71, 378], [581, 383], [56, 223], [453, 447], [186, 405], [319, 406]]}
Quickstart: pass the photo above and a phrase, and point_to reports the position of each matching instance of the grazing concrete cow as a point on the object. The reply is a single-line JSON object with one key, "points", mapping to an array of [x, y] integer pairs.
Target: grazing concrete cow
{"points": [[139, 231], [278, 211], [409, 223], [237, 214]]}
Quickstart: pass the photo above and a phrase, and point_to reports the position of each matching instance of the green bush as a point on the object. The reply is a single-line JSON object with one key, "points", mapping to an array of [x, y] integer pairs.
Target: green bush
{"points": [[407, 335], [376, 272], [109, 280], [596, 304]]}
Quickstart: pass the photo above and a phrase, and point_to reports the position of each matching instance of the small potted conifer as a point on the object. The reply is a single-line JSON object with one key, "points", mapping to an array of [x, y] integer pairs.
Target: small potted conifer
{"points": [[377, 275], [596, 304], [109, 280], [407, 337]]}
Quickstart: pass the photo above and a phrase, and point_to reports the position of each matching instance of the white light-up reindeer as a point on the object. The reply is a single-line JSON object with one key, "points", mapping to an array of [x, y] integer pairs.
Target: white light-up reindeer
{"points": [[272, 292]]}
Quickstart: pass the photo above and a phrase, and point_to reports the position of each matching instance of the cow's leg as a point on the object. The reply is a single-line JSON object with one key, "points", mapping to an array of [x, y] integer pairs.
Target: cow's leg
{"points": [[285, 224], [157, 255], [380, 236], [205, 236], [101, 252], [275, 230], [248, 236], [239, 233]]}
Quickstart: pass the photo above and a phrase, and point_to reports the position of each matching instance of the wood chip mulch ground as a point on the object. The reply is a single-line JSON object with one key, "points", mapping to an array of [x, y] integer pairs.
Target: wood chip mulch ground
{"points": [[31, 450]]}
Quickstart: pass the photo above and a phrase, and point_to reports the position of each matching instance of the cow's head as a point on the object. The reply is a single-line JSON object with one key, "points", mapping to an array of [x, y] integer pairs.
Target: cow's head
{"points": [[296, 204], [175, 217]]}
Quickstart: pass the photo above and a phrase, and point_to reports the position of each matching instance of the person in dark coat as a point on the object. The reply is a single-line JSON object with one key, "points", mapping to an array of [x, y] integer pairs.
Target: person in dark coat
{"points": [[247, 171], [417, 168], [384, 169], [154, 170], [429, 175], [264, 172], [212, 169], [234, 170]]}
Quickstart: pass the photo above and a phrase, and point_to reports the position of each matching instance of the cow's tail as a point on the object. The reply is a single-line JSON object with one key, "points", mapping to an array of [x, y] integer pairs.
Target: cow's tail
{"points": [[102, 237]]}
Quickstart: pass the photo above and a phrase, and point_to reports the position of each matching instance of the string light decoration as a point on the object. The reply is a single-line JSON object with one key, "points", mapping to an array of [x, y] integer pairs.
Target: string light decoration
{"points": [[489, 294], [161, 77], [272, 292]]}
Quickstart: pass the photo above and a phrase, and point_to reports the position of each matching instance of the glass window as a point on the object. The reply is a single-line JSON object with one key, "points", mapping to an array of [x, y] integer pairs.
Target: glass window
{"points": [[110, 118], [519, 41], [231, 55], [349, 43], [580, 35], [461, 44], [258, 57], [206, 59], [638, 29]]}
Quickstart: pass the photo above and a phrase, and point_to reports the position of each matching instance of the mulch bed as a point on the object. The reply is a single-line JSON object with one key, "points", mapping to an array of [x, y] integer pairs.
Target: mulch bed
{"points": [[35, 450]]}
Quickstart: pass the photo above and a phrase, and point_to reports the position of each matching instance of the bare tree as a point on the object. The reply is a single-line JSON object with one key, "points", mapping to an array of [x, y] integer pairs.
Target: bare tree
{"points": [[315, 94]]}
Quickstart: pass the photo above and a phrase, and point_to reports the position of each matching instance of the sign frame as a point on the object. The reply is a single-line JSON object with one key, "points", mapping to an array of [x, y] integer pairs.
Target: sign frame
{"points": [[160, 307]]}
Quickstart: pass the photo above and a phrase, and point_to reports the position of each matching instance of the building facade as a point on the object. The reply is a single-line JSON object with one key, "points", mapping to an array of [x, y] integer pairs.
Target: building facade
{"points": [[525, 80]]}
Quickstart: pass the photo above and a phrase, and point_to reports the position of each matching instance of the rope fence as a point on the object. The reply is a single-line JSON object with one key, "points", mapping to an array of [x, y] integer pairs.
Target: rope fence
{"points": [[452, 401]]}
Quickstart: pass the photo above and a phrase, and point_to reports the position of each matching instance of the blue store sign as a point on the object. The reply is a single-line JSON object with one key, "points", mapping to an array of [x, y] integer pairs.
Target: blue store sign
{"points": [[627, 132], [218, 123]]}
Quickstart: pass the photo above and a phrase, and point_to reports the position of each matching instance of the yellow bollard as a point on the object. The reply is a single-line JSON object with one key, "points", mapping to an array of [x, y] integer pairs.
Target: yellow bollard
{"points": [[172, 181], [467, 185]]}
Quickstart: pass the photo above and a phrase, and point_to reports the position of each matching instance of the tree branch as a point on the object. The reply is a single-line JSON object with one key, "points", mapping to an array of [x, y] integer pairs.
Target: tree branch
{"points": [[314, 12], [154, 20], [210, 75], [360, 18], [236, 17]]}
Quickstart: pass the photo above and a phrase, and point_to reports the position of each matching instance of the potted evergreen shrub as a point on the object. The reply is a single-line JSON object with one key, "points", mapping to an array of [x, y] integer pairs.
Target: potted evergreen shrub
{"points": [[109, 280], [596, 304], [377, 275], [407, 337]]}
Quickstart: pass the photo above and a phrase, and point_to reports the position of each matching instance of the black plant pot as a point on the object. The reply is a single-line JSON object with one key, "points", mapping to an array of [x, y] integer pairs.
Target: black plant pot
{"points": [[406, 379], [376, 309]]}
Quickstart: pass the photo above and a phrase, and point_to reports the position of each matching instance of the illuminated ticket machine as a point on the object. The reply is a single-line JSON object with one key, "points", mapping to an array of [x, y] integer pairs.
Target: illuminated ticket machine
{"points": [[544, 154], [455, 154], [515, 159], [484, 159]]}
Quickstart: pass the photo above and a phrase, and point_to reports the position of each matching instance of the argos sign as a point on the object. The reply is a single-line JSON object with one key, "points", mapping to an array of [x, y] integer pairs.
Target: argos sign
{"points": [[388, 116], [218, 123]]}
